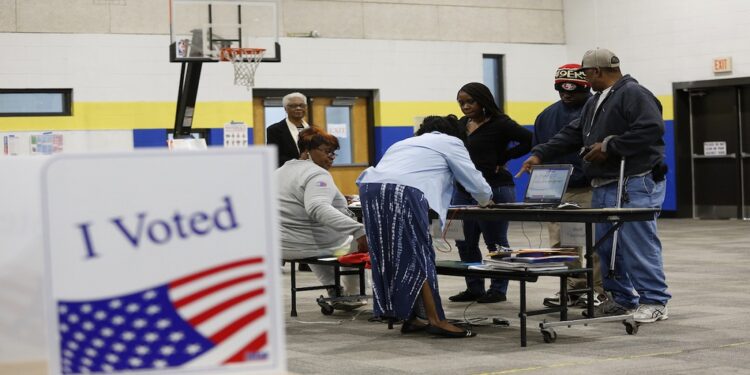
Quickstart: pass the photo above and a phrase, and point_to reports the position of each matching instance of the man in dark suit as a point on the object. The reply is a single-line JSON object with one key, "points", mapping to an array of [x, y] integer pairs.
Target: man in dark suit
{"points": [[285, 133]]}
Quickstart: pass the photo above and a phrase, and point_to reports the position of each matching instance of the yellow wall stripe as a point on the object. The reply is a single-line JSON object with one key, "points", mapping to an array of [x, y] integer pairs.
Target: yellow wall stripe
{"points": [[524, 113], [667, 104], [131, 115], [160, 115], [404, 113]]}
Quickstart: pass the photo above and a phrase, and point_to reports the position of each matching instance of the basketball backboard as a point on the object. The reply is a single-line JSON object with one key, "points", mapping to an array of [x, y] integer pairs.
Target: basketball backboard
{"points": [[199, 29]]}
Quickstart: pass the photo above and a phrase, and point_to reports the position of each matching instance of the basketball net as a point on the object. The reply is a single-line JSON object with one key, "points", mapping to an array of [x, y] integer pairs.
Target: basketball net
{"points": [[245, 62]]}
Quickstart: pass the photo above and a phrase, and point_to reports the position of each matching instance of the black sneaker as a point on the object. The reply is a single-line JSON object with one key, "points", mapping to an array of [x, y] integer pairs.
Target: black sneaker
{"points": [[492, 297], [465, 296]]}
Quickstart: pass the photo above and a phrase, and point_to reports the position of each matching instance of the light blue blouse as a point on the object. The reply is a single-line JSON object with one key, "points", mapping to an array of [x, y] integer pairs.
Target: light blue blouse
{"points": [[430, 162]]}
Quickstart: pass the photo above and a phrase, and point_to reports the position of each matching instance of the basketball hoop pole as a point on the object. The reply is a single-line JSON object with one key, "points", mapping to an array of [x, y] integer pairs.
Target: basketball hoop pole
{"points": [[190, 76]]}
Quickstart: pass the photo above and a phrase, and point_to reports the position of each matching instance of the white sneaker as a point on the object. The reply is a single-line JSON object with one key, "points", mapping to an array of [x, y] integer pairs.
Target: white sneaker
{"points": [[554, 301], [598, 300], [649, 313], [609, 308]]}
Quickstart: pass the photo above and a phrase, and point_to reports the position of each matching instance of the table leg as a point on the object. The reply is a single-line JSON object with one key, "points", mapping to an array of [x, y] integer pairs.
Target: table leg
{"points": [[294, 289], [522, 313], [590, 273], [563, 297]]}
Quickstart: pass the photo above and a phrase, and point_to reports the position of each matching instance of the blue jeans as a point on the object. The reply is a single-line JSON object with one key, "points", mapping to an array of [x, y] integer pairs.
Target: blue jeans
{"points": [[639, 269], [495, 233]]}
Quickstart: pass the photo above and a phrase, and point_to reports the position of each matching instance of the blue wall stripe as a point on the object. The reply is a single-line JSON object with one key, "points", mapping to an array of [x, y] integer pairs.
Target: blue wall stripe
{"points": [[149, 138], [385, 136], [216, 137], [158, 137]]}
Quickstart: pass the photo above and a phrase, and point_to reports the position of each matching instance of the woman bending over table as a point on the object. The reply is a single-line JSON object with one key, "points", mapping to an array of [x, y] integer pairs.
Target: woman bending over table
{"points": [[414, 176]]}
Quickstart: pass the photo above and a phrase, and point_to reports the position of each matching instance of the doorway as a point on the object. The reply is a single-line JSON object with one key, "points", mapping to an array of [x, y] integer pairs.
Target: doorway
{"points": [[347, 114], [712, 127]]}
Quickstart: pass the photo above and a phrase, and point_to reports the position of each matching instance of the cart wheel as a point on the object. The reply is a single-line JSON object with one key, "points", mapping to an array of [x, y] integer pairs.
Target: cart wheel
{"points": [[326, 309], [549, 335], [631, 327]]}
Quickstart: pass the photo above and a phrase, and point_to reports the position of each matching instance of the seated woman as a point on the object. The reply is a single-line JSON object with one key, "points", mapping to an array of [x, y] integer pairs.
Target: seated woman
{"points": [[414, 176], [315, 221]]}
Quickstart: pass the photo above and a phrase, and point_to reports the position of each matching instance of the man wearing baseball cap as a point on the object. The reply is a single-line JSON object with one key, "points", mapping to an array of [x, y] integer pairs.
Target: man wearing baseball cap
{"points": [[623, 120], [574, 91]]}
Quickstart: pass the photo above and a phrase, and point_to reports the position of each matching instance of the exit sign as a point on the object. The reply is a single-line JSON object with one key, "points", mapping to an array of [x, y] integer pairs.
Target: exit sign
{"points": [[722, 65]]}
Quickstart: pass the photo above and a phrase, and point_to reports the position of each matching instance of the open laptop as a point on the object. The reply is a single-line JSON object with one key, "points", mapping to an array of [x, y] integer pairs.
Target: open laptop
{"points": [[547, 184]]}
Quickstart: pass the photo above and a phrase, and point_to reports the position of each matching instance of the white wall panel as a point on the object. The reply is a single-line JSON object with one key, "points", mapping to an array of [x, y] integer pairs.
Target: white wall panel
{"points": [[126, 68], [661, 42]]}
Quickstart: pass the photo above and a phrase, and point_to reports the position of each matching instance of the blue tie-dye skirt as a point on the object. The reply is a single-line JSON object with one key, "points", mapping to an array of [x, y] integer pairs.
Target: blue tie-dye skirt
{"points": [[398, 234]]}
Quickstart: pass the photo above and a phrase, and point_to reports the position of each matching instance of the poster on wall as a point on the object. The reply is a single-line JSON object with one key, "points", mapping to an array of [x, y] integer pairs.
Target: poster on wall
{"points": [[179, 274], [11, 145], [235, 134], [47, 143]]}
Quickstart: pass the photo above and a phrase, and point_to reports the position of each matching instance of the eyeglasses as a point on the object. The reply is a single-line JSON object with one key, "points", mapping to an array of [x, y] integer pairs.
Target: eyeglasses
{"points": [[331, 154], [300, 105]]}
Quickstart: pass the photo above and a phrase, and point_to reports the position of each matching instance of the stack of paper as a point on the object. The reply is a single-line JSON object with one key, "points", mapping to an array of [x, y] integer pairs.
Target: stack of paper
{"points": [[508, 264], [540, 255], [539, 259]]}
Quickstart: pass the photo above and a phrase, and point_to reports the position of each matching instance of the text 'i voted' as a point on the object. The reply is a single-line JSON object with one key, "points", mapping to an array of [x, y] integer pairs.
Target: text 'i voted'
{"points": [[141, 228]]}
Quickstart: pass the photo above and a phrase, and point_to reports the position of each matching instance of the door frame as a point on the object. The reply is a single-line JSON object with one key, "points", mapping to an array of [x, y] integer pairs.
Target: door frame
{"points": [[369, 96], [683, 137]]}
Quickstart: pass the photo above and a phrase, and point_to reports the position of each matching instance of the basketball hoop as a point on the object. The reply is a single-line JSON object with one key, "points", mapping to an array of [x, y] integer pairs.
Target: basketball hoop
{"points": [[245, 62]]}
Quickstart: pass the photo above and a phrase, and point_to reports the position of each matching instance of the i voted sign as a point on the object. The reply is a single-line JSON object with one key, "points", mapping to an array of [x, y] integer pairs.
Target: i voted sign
{"points": [[163, 262]]}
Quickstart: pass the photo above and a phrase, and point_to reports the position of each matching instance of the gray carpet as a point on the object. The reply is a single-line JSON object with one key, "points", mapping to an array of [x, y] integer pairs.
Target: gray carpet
{"points": [[707, 265]]}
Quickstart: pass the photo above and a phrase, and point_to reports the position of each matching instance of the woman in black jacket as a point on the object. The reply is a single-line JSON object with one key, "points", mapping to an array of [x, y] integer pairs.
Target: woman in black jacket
{"points": [[493, 139]]}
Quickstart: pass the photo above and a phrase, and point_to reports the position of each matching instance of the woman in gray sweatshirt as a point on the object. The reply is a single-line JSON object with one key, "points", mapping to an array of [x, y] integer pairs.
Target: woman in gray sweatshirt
{"points": [[315, 221]]}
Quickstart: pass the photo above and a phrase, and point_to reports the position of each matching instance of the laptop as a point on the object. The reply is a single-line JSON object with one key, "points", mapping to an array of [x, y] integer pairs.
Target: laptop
{"points": [[547, 184]]}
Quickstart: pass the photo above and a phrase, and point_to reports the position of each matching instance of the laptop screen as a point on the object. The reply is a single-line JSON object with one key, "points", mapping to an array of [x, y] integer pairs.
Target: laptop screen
{"points": [[547, 183]]}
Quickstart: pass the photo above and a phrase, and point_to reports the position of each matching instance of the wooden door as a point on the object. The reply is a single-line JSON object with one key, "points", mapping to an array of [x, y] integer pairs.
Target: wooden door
{"points": [[347, 119]]}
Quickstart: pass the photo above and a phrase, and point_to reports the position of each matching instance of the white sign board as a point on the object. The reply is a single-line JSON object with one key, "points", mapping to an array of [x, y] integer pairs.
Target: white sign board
{"points": [[163, 262], [723, 65], [714, 148], [186, 144], [338, 130]]}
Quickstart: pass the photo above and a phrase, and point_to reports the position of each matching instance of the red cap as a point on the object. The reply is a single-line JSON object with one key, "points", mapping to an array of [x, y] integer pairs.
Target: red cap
{"points": [[568, 78]]}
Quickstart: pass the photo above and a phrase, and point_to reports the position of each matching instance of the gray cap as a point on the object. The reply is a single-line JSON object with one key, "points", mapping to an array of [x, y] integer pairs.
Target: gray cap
{"points": [[599, 58]]}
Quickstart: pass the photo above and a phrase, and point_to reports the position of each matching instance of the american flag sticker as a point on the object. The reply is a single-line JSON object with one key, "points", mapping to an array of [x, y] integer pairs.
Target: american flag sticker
{"points": [[215, 316], [321, 184], [162, 280]]}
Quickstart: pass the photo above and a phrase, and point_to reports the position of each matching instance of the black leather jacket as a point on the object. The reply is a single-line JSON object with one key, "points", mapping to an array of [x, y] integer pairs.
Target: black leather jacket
{"points": [[629, 118]]}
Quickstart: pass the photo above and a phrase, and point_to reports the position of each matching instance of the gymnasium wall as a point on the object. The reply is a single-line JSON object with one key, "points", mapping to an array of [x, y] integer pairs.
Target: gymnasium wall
{"points": [[662, 42], [414, 55], [125, 82]]}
